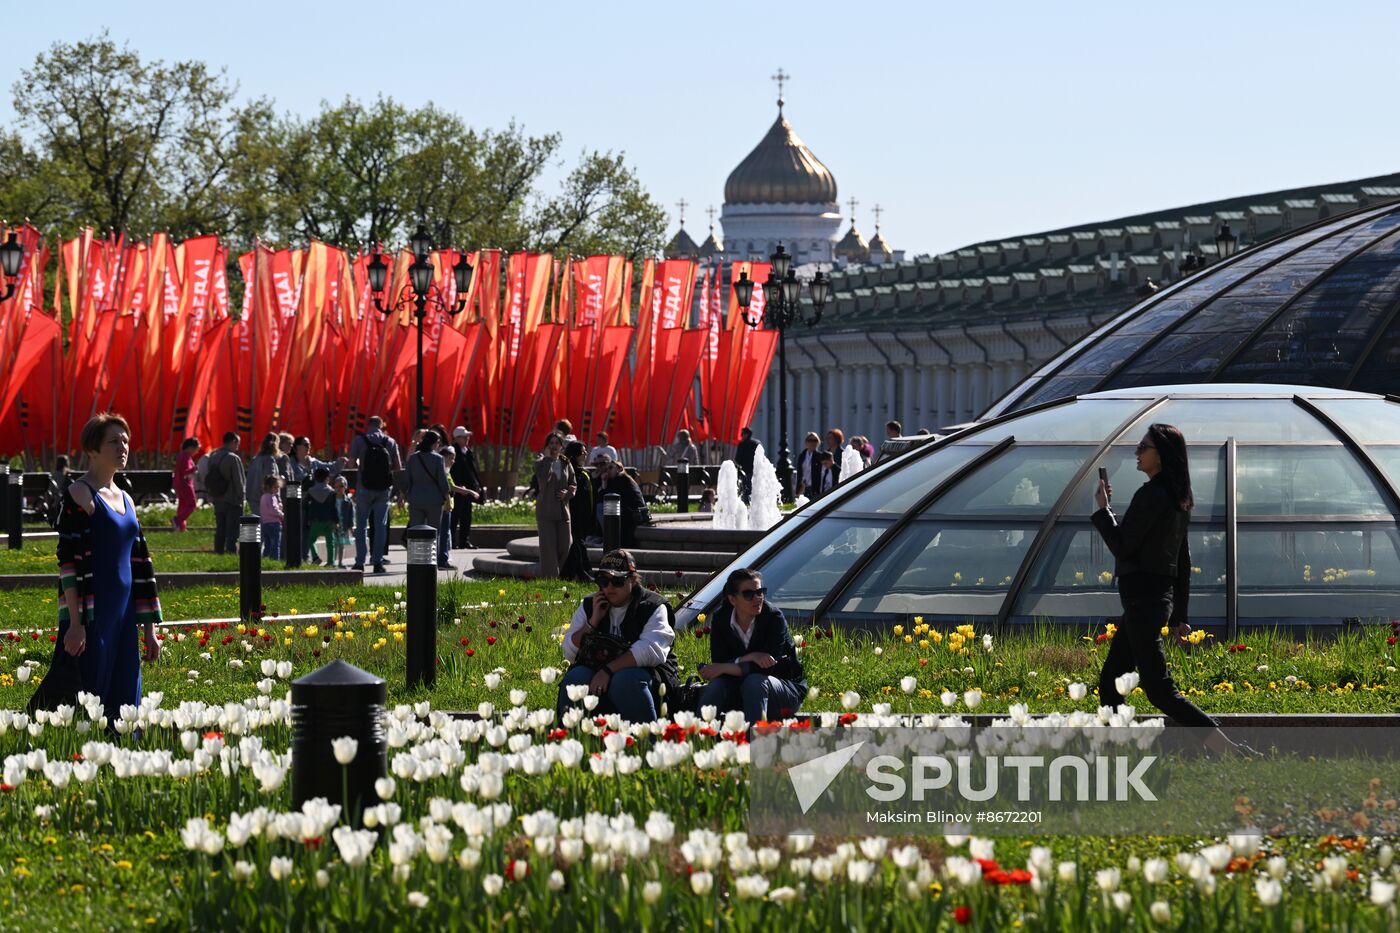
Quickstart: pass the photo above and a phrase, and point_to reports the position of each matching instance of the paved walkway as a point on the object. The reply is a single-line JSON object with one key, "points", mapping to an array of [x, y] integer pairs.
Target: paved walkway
{"points": [[398, 565]]}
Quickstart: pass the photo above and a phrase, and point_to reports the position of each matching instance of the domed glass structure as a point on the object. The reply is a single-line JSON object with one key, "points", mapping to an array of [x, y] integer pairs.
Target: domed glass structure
{"points": [[1320, 306], [1297, 518]]}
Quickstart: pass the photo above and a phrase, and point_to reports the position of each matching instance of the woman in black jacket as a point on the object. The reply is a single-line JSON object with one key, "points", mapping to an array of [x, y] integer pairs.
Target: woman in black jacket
{"points": [[753, 661], [576, 565], [1153, 571]]}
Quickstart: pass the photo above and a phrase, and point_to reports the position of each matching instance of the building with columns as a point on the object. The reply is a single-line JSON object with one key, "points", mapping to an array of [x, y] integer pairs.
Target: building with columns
{"points": [[934, 341]]}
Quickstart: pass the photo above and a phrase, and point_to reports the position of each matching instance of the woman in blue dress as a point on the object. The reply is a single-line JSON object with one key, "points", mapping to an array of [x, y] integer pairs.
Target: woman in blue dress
{"points": [[106, 581]]}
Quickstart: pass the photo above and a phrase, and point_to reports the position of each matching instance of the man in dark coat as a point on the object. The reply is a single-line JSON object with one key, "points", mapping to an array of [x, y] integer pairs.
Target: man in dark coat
{"points": [[743, 459], [466, 475]]}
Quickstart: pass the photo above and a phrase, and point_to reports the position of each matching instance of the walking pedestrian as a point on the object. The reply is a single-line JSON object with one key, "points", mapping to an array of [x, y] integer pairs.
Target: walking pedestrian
{"points": [[225, 483], [455, 494], [376, 456], [183, 480], [557, 485], [425, 482]]}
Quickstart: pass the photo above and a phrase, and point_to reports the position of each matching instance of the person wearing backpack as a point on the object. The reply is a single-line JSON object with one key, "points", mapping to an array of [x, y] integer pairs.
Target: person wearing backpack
{"points": [[376, 456], [225, 485]]}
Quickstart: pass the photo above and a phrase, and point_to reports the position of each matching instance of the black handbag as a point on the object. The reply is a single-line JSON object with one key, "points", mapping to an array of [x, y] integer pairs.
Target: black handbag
{"points": [[686, 696], [599, 649], [60, 685]]}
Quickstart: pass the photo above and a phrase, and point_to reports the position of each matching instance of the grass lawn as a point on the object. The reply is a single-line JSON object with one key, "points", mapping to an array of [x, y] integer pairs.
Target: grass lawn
{"points": [[171, 552], [516, 626]]}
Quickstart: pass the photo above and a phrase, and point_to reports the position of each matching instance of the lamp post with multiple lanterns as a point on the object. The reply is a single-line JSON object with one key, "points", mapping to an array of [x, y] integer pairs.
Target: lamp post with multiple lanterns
{"points": [[420, 294], [781, 310]]}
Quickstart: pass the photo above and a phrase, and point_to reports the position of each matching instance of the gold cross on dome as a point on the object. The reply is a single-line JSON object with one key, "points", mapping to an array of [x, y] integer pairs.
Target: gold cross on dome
{"points": [[878, 211], [853, 202], [682, 204], [711, 211], [782, 77]]}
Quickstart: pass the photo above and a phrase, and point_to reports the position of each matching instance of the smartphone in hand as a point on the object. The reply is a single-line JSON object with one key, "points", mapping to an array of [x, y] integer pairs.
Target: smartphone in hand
{"points": [[1103, 477]]}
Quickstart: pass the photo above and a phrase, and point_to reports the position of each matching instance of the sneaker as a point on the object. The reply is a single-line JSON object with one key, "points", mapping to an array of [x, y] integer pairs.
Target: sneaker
{"points": [[469, 546], [315, 559], [359, 567], [447, 566], [380, 568]]}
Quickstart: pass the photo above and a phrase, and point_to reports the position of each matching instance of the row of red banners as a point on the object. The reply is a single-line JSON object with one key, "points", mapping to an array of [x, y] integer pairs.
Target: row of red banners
{"points": [[149, 334]]}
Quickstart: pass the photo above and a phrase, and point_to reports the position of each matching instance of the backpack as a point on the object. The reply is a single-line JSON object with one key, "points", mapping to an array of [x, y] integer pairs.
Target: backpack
{"points": [[216, 480], [376, 469]]}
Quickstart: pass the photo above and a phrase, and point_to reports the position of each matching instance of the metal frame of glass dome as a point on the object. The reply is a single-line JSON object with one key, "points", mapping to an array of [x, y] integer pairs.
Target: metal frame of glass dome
{"points": [[1060, 520], [1250, 269]]}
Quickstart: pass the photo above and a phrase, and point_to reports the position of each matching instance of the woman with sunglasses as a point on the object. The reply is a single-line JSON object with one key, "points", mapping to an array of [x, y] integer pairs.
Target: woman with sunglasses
{"points": [[1154, 575], [753, 661]]}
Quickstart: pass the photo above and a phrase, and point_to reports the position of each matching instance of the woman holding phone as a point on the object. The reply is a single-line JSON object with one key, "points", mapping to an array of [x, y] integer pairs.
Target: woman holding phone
{"points": [[1153, 569]]}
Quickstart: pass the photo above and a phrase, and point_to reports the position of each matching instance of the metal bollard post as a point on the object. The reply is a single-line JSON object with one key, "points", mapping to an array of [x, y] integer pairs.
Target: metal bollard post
{"points": [[292, 545], [683, 486], [612, 522], [421, 542], [5, 495], [249, 566], [333, 702], [15, 506]]}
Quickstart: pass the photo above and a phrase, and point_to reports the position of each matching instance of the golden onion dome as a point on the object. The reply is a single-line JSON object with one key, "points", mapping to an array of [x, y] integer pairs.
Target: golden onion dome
{"points": [[853, 247], [880, 245], [780, 170]]}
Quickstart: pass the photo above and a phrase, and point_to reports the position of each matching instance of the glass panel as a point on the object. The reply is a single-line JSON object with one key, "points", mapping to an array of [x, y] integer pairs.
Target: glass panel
{"points": [[1079, 421], [1023, 482], [1058, 387], [1207, 482], [901, 490], [801, 574], [1370, 421], [1216, 419], [1305, 481], [1389, 460], [940, 569], [1321, 572], [1104, 357], [1073, 578]]}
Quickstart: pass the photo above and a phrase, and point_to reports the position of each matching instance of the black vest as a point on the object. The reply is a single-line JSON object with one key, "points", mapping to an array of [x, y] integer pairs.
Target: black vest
{"points": [[644, 604]]}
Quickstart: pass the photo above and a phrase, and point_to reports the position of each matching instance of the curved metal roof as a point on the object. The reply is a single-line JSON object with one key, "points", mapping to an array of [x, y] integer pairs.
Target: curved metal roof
{"points": [[1318, 307], [1297, 518]]}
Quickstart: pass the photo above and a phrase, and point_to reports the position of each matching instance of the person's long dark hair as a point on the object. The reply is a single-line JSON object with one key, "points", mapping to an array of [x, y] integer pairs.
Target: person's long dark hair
{"points": [[1176, 469]]}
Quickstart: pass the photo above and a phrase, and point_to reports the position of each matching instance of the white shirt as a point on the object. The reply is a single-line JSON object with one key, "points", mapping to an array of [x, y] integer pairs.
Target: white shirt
{"points": [[744, 636], [649, 649]]}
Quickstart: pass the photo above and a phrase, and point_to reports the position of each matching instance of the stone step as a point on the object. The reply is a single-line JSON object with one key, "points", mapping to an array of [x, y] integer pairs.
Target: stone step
{"points": [[679, 537], [665, 580], [710, 561]]}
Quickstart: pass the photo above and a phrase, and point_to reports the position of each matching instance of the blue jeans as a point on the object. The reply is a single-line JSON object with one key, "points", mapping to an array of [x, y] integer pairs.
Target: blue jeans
{"points": [[755, 694], [371, 505], [629, 693], [272, 540]]}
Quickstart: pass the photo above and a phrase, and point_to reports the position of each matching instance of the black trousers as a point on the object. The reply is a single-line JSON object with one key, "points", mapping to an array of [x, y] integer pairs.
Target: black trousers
{"points": [[1147, 605], [461, 520]]}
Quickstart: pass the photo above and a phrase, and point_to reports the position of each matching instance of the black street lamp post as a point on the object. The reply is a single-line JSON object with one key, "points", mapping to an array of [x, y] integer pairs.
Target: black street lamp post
{"points": [[420, 293], [1225, 241], [11, 258], [781, 294]]}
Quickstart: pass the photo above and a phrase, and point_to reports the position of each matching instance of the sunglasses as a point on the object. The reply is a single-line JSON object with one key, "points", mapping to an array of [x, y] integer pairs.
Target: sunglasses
{"points": [[610, 579], [754, 593], [1145, 446]]}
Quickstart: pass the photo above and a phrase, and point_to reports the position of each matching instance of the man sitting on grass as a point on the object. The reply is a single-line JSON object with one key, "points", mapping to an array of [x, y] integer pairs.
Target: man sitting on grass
{"points": [[619, 642]]}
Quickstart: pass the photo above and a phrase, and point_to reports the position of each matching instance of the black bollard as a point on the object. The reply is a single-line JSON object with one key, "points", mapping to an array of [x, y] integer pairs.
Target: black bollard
{"points": [[333, 702], [683, 486], [249, 566], [15, 508], [421, 543], [292, 545], [612, 522]]}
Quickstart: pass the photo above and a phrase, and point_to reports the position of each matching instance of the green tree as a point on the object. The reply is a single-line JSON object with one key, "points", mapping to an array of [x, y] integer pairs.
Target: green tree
{"points": [[601, 209], [137, 145]]}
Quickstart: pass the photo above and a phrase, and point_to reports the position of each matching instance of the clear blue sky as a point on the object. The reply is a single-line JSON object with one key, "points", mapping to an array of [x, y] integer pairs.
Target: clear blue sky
{"points": [[965, 121]]}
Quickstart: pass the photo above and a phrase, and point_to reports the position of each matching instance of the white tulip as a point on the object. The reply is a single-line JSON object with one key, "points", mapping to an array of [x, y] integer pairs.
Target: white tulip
{"points": [[1382, 892], [492, 885], [1269, 891], [549, 674], [492, 681], [1122, 900], [556, 880], [1278, 867], [1108, 879], [345, 749], [22, 674], [384, 787], [948, 697], [518, 697], [1161, 912], [242, 871], [417, 899], [651, 892], [1125, 683], [280, 868], [1154, 870], [973, 698], [701, 883], [1078, 691], [850, 699], [1067, 872], [784, 895], [909, 684]]}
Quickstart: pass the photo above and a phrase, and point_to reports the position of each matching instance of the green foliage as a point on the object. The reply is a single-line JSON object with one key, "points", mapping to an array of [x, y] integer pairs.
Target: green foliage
{"points": [[109, 140]]}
